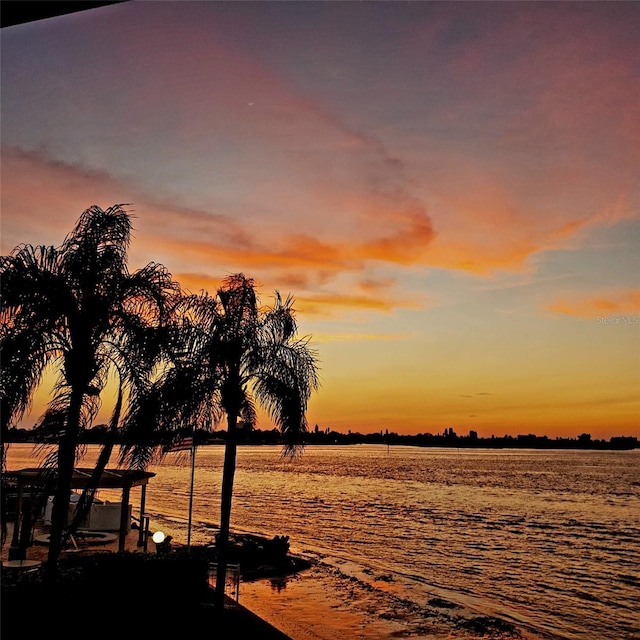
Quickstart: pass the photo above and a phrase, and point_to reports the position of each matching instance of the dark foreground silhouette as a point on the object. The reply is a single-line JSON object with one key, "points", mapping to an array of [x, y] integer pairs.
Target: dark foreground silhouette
{"points": [[114, 593]]}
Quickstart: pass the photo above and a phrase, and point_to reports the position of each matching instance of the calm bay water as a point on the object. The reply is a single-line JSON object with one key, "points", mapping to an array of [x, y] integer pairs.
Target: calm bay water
{"points": [[547, 539]]}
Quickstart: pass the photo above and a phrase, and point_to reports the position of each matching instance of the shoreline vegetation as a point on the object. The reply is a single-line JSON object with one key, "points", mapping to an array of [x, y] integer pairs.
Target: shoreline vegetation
{"points": [[317, 436]]}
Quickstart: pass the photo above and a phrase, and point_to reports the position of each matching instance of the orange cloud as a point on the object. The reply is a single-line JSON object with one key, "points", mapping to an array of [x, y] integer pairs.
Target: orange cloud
{"points": [[614, 302], [406, 244], [183, 238], [484, 224], [360, 337], [327, 305], [43, 199]]}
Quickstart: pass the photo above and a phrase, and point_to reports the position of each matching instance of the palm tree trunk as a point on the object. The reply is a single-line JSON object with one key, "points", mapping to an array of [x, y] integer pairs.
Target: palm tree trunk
{"points": [[222, 543], [4, 430], [86, 499], [88, 493], [66, 464], [3, 502]]}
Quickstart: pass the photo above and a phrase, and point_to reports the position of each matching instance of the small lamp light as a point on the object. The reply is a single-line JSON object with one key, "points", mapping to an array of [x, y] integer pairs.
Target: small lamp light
{"points": [[158, 537]]}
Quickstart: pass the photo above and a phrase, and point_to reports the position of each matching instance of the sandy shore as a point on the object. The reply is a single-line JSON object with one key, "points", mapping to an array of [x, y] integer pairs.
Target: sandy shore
{"points": [[322, 603], [318, 605]]}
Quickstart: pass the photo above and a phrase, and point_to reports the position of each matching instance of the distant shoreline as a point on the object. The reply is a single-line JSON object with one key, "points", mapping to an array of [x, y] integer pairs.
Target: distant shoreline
{"points": [[319, 437]]}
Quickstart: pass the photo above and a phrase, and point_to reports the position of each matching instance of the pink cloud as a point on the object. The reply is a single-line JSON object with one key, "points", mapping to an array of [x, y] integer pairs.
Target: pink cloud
{"points": [[42, 200], [332, 199]]}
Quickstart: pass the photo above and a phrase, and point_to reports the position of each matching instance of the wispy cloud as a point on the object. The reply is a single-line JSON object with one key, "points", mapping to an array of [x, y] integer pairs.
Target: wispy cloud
{"points": [[606, 303], [331, 305], [181, 236], [361, 337]]}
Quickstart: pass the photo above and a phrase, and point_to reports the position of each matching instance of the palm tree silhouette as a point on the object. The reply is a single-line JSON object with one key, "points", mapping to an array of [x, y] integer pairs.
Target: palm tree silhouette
{"points": [[258, 358], [78, 306], [229, 353]]}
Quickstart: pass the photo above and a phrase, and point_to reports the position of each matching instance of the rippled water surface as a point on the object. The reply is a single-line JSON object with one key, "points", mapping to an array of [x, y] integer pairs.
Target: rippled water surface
{"points": [[548, 539]]}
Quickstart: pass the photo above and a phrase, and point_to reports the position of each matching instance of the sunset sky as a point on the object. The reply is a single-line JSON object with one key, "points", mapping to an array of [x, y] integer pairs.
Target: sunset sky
{"points": [[449, 190]]}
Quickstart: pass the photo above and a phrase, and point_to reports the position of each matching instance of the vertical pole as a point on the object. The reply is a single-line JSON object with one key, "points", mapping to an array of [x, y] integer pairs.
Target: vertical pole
{"points": [[124, 518], [142, 533], [145, 523], [193, 467], [18, 518]]}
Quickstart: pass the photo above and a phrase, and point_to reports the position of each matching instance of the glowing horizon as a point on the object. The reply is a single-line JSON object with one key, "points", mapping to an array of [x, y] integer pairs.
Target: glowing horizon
{"points": [[448, 190]]}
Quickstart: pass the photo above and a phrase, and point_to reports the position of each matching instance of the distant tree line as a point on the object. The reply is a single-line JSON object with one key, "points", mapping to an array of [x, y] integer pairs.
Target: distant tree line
{"points": [[449, 438]]}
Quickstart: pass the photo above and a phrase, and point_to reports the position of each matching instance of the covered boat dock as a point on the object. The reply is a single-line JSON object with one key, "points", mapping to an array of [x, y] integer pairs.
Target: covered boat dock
{"points": [[123, 479]]}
